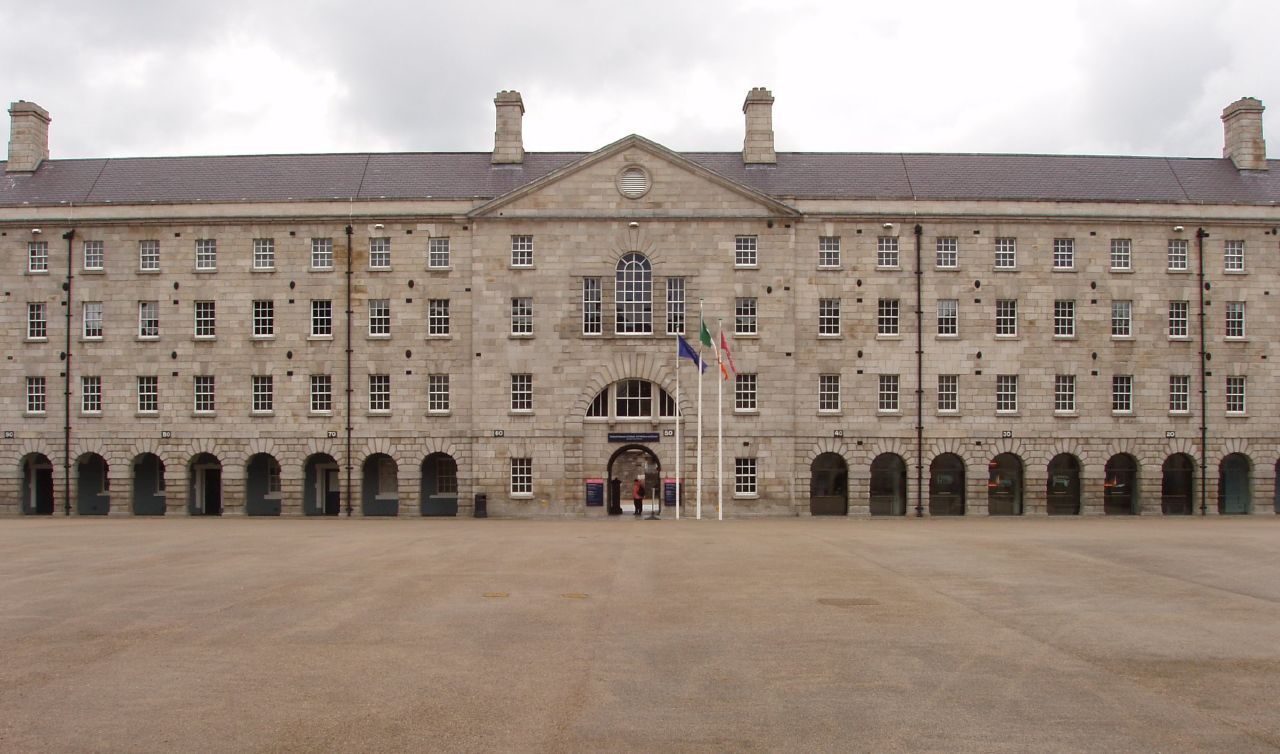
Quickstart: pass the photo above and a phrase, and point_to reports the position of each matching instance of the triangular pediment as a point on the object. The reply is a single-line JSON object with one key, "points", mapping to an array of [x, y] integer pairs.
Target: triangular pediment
{"points": [[676, 187]]}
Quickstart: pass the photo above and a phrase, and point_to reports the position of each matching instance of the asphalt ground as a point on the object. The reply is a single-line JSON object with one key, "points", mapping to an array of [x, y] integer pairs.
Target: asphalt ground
{"points": [[1100, 635]]}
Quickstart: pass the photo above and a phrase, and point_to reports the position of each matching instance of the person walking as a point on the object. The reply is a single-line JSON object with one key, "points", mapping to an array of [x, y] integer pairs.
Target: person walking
{"points": [[637, 494]]}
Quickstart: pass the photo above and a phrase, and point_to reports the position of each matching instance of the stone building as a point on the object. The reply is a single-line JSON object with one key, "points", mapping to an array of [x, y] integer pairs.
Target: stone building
{"points": [[376, 334]]}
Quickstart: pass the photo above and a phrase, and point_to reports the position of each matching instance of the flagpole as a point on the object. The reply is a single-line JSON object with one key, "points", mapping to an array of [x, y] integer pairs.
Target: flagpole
{"points": [[679, 447], [700, 370], [720, 431]]}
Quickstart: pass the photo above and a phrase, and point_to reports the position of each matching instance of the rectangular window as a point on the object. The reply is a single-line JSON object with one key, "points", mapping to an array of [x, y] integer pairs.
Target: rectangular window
{"points": [[1006, 317], [1064, 319], [148, 319], [206, 254], [1006, 393], [379, 392], [322, 253], [744, 476], [94, 255], [1233, 256], [263, 394], [1122, 394], [205, 400], [92, 318], [321, 393], [1064, 393], [264, 254], [887, 317], [1006, 253], [634, 399], [522, 251], [1178, 319], [148, 394], [744, 319], [438, 393], [206, 319], [675, 306], [321, 318], [1235, 319], [828, 251], [829, 392], [1064, 253], [37, 395], [947, 253], [522, 392], [948, 316], [744, 251], [521, 476], [949, 392], [887, 251], [666, 405], [1177, 255], [380, 253], [522, 316], [888, 392], [37, 321], [1121, 254], [744, 392], [1179, 393], [1235, 395], [438, 316], [592, 307], [37, 256], [91, 395], [149, 256], [1121, 319], [438, 254], [828, 316], [264, 319], [379, 317]]}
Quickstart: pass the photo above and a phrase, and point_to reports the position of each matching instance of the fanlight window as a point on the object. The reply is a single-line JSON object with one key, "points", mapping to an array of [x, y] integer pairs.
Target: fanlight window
{"points": [[633, 399], [634, 295]]}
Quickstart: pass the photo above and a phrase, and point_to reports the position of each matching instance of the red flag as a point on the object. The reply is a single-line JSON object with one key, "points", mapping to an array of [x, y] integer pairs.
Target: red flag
{"points": [[724, 346]]}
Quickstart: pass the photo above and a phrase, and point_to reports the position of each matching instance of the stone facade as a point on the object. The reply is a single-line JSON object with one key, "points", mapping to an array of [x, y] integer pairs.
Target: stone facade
{"points": [[763, 267]]}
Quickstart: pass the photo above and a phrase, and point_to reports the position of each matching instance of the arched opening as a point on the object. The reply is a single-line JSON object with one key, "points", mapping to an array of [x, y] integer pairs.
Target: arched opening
{"points": [[1063, 493], [321, 486], [262, 492], [946, 485], [633, 295], [439, 485], [380, 486], [888, 485], [627, 465], [37, 485], [1120, 487], [204, 495], [1177, 485], [633, 400], [148, 485], [93, 485], [1233, 485], [1004, 485], [829, 485]]}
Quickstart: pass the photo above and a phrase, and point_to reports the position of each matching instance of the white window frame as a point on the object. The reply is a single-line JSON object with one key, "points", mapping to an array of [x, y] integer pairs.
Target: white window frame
{"points": [[633, 295], [522, 251], [1006, 253], [37, 320], [947, 253], [204, 320], [94, 254], [380, 393], [90, 394], [521, 392], [522, 316], [1179, 393], [380, 252], [745, 477], [438, 318], [1064, 393], [888, 397], [829, 394], [1006, 318], [1178, 255], [1233, 320], [948, 393], [521, 477], [675, 306], [745, 385], [592, 306], [148, 320], [1064, 318], [438, 393], [746, 252], [321, 394], [1064, 254], [1236, 388], [1122, 318], [1006, 394], [379, 318], [206, 254], [148, 388], [439, 254], [1121, 255], [745, 316], [322, 253], [1179, 317], [263, 401], [828, 252], [92, 320], [321, 318], [948, 317], [204, 392], [149, 255], [1233, 255], [888, 256], [37, 395], [264, 318], [828, 317], [633, 400], [888, 316], [1122, 394], [264, 254], [38, 257]]}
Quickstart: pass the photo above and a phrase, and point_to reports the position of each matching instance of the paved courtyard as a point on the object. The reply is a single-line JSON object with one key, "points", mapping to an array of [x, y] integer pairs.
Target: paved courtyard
{"points": [[624, 635]]}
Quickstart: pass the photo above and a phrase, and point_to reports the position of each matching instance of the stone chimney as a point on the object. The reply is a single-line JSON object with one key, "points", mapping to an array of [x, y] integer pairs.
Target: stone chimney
{"points": [[757, 148], [1242, 121], [28, 137], [508, 141]]}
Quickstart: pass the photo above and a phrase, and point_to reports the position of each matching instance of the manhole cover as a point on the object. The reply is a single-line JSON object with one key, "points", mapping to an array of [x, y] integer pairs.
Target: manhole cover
{"points": [[847, 601]]}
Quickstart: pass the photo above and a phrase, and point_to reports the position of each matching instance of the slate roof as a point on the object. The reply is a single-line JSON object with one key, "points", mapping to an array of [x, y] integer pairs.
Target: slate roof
{"points": [[802, 175]]}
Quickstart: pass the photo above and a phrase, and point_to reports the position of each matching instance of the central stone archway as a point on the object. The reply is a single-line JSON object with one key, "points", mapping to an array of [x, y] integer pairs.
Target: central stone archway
{"points": [[829, 485], [626, 464]]}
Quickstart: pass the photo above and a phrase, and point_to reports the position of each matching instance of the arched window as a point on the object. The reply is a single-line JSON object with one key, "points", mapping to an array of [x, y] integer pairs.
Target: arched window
{"points": [[633, 295], [632, 399]]}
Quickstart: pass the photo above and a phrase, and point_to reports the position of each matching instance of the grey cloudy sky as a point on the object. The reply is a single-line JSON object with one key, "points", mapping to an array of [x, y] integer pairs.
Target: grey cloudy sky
{"points": [[162, 77]]}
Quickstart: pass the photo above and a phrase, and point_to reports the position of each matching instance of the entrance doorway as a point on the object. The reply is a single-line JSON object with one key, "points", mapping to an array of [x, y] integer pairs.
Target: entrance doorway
{"points": [[262, 491], [1004, 485], [205, 494], [37, 485], [1063, 494], [1177, 486], [946, 485], [93, 486], [627, 464], [888, 485], [1233, 485], [148, 485], [829, 486], [1120, 488], [439, 485], [321, 488]]}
